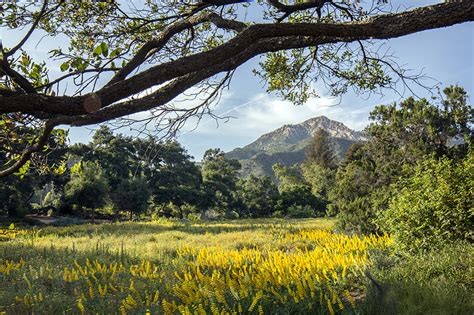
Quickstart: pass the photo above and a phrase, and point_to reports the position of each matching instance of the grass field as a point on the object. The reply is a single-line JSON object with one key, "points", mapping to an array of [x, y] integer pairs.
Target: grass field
{"points": [[167, 267]]}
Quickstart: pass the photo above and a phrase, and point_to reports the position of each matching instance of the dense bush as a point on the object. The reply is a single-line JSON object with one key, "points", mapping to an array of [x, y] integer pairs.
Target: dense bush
{"points": [[182, 211], [14, 201], [434, 206], [320, 179], [300, 196], [400, 137], [258, 196], [353, 194]]}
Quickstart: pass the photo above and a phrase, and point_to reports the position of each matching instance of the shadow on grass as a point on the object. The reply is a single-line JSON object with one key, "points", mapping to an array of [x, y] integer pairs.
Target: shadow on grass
{"points": [[434, 282], [410, 298], [152, 228]]}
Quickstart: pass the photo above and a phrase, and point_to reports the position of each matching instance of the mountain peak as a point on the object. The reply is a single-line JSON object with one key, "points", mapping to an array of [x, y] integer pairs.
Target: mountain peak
{"points": [[287, 143], [317, 118], [290, 134]]}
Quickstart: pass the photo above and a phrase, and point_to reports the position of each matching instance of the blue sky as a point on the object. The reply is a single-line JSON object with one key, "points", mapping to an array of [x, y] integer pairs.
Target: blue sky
{"points": [[446, 55]]}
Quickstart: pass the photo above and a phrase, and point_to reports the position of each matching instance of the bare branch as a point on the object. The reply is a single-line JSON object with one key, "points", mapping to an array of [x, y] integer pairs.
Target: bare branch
{"points": [[71, 74], [16, 77]]}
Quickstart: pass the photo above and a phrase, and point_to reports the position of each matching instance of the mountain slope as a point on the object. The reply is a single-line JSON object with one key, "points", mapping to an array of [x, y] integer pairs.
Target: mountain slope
{"points": [[287, 144]]}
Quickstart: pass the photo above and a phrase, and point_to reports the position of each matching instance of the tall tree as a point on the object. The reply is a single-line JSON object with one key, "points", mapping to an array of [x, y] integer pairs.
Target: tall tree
{"points": [[88, 188], [406, 132], [220, 176], [259, 196], [321, 150], [288, 176], [113, 51], [114, 153], [294, 190], [132, 195], [319, 178], [171, 174]]}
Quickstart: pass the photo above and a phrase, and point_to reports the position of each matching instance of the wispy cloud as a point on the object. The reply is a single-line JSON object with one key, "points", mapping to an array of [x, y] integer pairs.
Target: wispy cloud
{"points": [[263, 113]]}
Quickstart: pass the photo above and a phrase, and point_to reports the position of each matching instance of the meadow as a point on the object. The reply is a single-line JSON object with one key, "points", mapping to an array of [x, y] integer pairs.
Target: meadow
{"points": [[266, 266]]}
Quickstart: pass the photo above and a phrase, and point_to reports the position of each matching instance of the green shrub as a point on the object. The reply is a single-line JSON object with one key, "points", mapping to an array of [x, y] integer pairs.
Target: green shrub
{"points": [[258, 196], [171, 210], [300, 197], [355, 190], [213, 214], [49, 198], [434, 206], [194, 217], [278, 214]]}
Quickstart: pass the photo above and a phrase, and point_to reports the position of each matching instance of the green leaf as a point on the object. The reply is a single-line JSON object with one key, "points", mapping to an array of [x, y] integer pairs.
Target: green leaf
{"points": [[82, 66], [25, 61], [104, 49], [98, 50], [23, 170], [76, 168], [115, 53], [64, 66], [12, 226]]}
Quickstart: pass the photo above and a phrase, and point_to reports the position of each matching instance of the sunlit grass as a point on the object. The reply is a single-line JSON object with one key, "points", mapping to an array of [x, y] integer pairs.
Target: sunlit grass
{"points": [[246, 266]]}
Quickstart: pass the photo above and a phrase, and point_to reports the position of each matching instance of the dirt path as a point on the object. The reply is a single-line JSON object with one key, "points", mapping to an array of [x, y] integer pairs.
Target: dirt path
{"points": [[41, 218]]}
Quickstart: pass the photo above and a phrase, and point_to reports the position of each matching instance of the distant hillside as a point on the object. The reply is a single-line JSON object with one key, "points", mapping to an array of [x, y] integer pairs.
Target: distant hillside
{"points": [[287, 145]]}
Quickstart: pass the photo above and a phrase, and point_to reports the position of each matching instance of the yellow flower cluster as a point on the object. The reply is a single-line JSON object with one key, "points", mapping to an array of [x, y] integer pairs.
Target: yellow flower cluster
{"points": [[8, 234], [313, 271], [295, 274], [7, 266]]}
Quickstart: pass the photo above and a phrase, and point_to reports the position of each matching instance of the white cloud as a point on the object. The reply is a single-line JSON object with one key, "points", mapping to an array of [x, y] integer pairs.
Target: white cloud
{"points": [[264, 113]]}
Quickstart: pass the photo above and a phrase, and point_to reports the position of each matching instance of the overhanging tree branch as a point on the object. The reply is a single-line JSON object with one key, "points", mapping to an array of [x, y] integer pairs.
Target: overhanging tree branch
{"points": [[40, 14], [176, 70], [159, 42], [381, 27]]}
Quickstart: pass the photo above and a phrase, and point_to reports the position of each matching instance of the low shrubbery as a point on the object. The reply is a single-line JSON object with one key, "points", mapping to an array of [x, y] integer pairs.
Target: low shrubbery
{"points": [[298, 211]]}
